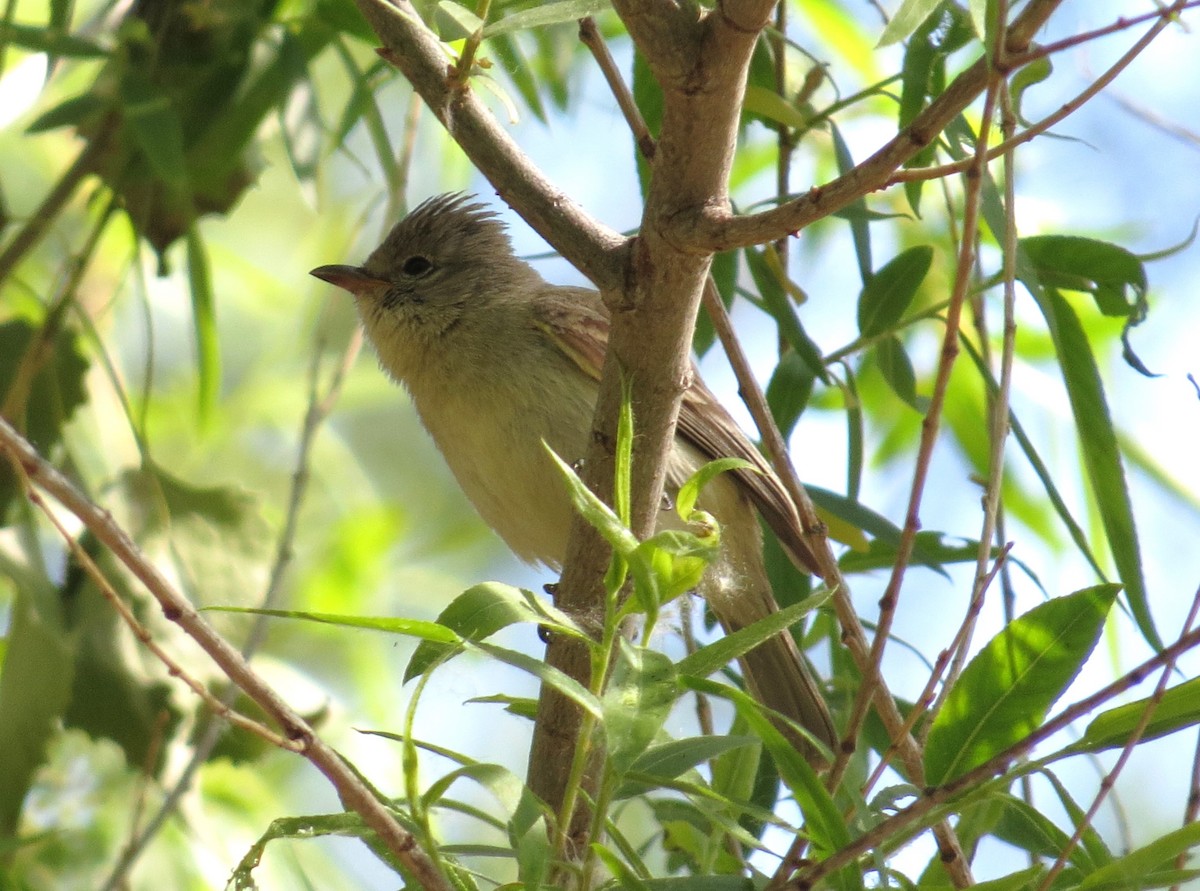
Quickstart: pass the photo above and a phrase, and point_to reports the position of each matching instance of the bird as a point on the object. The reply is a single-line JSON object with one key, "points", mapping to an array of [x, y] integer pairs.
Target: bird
{"points": [[497, 361]]}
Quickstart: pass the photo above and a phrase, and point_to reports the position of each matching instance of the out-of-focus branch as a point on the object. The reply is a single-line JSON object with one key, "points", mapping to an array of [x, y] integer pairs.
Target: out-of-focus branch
{"points": [[352, 790]]}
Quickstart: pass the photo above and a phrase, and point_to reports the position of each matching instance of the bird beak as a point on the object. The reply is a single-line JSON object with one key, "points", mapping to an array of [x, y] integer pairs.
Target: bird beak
{"points": [[354, 279]]}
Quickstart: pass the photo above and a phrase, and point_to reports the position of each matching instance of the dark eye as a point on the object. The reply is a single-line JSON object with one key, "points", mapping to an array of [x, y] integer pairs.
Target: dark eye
{"points": [[417, 266]]}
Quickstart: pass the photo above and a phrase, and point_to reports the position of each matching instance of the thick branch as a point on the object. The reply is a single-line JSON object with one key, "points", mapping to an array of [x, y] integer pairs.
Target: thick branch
{"points": [[352, 790], [716, 229], [590, 246]]}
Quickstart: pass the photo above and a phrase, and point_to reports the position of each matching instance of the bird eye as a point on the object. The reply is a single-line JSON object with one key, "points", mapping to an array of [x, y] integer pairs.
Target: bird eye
{"points": [[417, 266]]}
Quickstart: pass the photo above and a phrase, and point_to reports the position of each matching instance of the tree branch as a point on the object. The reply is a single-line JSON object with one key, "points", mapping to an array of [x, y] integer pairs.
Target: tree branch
{"points": [[354, 793], [594, 249], [716, 229]]}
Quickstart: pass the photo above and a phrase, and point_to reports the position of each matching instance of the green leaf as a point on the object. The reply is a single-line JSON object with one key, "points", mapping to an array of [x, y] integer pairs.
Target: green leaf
{"points": [[35, 689], [71, 112], [52, 41], [666, 761], [1006, 690], [890, 291], [897, 370], [860, 229], [1179, 708], [479, 612], [769, 105], [1138, 869], [546, 14], [1101, 453], [418, 628], [637, 699], [689, 492], [1022, 880], [827, 828], [770, 282], [156, 127], [720, 653], [789, 390], [53, 391], [596, 512], [547, 674], [909, 17], [204, 320], [1113, 275]]}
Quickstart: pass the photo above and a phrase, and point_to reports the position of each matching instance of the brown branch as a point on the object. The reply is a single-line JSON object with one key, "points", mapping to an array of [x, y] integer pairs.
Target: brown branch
{"points": [[711, 228], [1110, 779], [591, 247], [894, 828], [1067, 109], [352, 790]]}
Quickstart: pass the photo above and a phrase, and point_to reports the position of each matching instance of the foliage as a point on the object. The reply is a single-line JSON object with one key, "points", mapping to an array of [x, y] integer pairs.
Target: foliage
{"points": [[239, 143]]}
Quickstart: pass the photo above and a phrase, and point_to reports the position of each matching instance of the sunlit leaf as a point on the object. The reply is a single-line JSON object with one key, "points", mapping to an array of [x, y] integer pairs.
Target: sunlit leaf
{"points": [[1008, 687]]}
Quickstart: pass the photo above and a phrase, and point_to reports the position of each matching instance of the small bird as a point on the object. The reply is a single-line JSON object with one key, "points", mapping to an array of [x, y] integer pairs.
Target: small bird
{"points": [[497, 361]]}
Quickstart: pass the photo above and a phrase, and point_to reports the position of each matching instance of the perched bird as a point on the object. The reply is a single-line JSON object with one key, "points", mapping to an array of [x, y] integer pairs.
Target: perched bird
{"points": [[497, 360]]}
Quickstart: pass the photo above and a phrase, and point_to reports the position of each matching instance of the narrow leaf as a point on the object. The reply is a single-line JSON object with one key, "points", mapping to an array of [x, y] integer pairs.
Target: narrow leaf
{"points": [[1010, 685], [890, 291], [637, 699], [204, 321], [1178, 709], [720, 653], [478, 613], [909, 17], [1101, 454]]}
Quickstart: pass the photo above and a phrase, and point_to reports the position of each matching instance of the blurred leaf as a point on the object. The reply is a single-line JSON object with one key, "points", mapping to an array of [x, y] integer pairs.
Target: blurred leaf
{"points": [[932, 549], [773, 108], [74, 112], [1115, 277], [638, 696], [724, 273], [204, 320], [788, 391], [860, 231], [52, 41], [216, 535], [1101, 454], [772, 288], [1150, 866], [465, 22], [1008, 687], [520, 71], [547, 13], [888, 293], [1179, 708], [35, 687], [895, 366], [907, 18], [51, 388]]}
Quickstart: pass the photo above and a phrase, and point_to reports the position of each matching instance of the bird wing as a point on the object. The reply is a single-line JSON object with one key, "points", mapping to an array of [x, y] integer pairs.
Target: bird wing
{"points": [[582, 334]]}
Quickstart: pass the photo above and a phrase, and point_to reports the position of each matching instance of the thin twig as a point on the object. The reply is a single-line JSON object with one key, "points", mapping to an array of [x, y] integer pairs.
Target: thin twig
{"points": [[297, 734], [1110, 779], [1068, 108], [895, 828], [589, 36]]}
